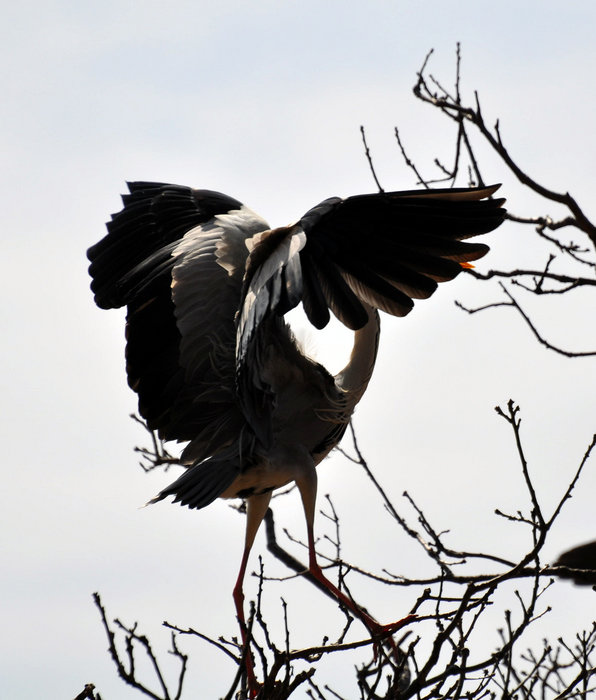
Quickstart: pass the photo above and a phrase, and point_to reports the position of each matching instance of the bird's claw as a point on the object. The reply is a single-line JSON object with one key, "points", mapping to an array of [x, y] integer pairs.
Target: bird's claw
{"points": [[382, 634]]}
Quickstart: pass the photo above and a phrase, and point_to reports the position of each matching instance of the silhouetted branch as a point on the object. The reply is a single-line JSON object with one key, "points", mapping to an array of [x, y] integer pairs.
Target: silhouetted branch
{"points": [[470, 120], [369, 159], [419, 179], [539, 337], [453, 603], [456, 110], [88, 693], [126, 664], [156, 455]]}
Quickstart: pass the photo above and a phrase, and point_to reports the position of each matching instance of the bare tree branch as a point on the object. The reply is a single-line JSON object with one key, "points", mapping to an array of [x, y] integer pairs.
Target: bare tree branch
{"points": [[369, 159]]}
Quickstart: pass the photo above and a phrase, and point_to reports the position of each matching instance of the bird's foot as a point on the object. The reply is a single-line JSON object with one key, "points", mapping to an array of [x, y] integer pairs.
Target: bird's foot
{"points": [[254, 688], [392, 627], [252, 684], [383, 634]]}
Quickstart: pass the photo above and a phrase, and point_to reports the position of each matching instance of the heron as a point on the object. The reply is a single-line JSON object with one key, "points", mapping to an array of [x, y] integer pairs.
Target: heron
{"points": [[208, 283]]}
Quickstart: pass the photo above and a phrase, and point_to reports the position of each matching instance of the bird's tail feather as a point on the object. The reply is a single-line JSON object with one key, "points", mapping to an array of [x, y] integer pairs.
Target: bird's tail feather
{"points": [[201, 483]]}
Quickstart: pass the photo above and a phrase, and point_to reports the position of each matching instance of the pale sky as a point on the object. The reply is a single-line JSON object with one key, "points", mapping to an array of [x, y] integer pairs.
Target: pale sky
{"points": [[264, 101]]}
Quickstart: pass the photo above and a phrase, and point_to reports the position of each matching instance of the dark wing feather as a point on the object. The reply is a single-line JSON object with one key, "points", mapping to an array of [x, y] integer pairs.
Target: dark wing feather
{"points": [[381, 249], [155, 216], [411, 240], [202, 483], [178, 268], [313, 299]]}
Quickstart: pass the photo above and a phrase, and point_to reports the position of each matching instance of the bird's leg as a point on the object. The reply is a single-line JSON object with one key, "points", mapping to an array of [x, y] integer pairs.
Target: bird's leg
{"points": [[307, 484], [256, 507]]}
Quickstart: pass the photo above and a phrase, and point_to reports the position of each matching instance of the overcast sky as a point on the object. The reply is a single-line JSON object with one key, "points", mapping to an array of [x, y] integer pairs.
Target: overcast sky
{"points": [[263, 101]]}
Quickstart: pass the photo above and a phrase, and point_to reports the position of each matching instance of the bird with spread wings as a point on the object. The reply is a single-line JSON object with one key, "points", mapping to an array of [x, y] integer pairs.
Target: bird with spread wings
{"points": [[207, 283]]}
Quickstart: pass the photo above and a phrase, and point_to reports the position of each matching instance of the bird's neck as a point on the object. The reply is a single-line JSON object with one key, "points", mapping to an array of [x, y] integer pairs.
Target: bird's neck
{"points": [[354, 377]]}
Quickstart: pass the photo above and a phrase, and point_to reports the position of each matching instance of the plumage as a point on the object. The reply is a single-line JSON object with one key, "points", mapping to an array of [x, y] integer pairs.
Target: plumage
{"points": [[207, 282], [582, 562]]}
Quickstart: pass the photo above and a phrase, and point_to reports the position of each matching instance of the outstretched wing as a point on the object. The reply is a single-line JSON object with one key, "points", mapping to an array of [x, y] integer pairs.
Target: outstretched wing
{"points": [[382, 250], [175, 257]]}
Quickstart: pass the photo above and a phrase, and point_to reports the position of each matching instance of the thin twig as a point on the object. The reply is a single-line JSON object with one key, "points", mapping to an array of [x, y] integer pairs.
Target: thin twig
{"points": [[369, 159]]}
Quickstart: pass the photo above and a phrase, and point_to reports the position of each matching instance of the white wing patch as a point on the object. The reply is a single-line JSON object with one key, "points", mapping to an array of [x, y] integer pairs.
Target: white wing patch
{"points": [[205, 297], [237, 228], [258, 296]]}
